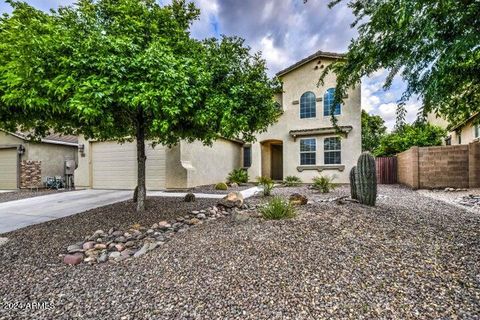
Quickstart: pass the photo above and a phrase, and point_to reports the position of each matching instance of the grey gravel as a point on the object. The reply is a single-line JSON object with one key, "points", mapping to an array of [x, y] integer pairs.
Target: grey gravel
{"points": [[409, 257]]}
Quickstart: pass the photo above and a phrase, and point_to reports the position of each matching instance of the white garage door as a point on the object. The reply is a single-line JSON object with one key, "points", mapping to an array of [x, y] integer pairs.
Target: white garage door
{"points": [[114, 166], [8, 168]]}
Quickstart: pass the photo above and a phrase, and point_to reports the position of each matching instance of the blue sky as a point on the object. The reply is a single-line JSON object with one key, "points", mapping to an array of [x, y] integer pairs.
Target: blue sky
{"points": [[286, 31]]}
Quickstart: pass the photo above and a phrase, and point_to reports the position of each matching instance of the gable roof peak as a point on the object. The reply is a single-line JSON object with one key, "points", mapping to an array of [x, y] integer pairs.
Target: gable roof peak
{"points": [[316, 55]]}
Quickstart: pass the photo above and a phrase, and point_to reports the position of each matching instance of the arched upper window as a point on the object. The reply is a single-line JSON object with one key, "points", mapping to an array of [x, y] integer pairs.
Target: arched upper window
{"points": [[328, 102], [308, 108]]}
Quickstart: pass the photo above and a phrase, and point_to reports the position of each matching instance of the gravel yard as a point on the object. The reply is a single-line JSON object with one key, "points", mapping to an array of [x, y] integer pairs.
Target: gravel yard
{"points": [[456, 198], [210, 188], [24, 194], [409, 257]]}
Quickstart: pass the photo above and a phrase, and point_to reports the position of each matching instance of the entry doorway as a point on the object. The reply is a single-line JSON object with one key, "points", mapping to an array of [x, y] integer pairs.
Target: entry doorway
{"points": [[272, 159]]}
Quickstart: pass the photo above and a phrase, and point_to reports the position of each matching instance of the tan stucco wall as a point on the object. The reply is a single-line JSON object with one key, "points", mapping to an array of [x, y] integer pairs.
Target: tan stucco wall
{"points": [[52, 157], [467, 133], [208, 165], [296, 83], [8, 139], [187, 164]]}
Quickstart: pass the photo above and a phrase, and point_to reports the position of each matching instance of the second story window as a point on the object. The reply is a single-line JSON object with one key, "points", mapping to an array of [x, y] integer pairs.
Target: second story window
{"points": [[308, 108], [328, 103]]}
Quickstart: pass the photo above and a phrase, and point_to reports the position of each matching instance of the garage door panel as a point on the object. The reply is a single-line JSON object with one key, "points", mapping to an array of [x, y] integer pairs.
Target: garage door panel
{"points": [[114, 166], [8, 168]]}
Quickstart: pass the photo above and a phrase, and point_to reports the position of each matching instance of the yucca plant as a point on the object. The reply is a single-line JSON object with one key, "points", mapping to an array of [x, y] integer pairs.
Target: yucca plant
{"points": [[238, 176], [323, 184], [292, 181], [267, 184], [278, 208]]}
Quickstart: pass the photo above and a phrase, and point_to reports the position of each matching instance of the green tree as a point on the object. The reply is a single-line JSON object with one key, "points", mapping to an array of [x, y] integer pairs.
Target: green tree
{"points": [[417, 134], [127, 70], [373, 129], [432, 44]]}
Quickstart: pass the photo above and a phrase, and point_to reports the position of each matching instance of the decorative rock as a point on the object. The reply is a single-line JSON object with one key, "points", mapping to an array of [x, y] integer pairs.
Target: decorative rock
{"points": [[195, 212], [155, 226], [74, 248], [73, 259], [149, 231], [114, 255], [117, 233], [189, 197], [91, 252], [127, 253], [100, 246], [120, 239], [201, 216], [90, 260], [103, 258], [163, 225], [88, 245], [129, 244], [231, 200], [180, 219], [142, 251], [234, 185], [194, 221], [298, 199], [120, 247]]}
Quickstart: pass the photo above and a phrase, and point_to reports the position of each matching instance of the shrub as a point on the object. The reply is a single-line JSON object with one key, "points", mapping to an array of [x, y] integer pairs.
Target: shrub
{"points": [[292, 181], [277, 209], [323, 184], [221, 186], [238, 176], [267, 184]]}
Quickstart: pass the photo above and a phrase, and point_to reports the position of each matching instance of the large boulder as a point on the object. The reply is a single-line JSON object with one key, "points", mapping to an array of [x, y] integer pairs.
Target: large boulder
{"points": [[298, 199], [231, 200]]}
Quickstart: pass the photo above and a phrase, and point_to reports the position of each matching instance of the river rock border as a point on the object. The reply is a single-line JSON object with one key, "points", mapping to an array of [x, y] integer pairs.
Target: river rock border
{"points": [[116, 245]]}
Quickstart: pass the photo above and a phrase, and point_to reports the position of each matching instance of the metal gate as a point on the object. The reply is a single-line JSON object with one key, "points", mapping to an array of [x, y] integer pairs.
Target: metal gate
{"points": [[386, 170]]}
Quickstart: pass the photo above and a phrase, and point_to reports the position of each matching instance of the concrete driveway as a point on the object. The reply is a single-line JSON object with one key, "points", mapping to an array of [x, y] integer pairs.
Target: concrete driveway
{"points": [[21, 213]]}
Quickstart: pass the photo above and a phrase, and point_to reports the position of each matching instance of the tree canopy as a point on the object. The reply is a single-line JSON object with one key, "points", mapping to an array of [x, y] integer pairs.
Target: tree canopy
{"points": [[418, 134], [432, 44], [128, 69], [373, 129]]}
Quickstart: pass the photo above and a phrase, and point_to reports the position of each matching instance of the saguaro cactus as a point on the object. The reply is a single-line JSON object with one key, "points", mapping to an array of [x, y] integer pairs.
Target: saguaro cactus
{"points": [[366, 179], [353, 183]]}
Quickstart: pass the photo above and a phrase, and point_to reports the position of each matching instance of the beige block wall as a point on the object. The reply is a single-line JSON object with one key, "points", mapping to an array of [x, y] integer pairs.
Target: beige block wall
{"points": [[440, 167], [296, 83]]}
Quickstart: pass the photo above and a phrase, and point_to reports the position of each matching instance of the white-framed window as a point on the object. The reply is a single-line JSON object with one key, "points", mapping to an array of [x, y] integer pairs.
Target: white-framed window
{"points": [[332, 148], [328, 99], [308, 105], [308, 151]]}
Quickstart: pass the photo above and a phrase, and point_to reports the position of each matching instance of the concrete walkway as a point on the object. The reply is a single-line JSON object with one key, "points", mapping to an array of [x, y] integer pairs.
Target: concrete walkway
{"points": [[21, 213]]}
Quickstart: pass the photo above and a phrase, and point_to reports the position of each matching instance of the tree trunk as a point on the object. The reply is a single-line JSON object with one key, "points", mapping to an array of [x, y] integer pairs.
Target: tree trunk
{"points": [[141, 159]]}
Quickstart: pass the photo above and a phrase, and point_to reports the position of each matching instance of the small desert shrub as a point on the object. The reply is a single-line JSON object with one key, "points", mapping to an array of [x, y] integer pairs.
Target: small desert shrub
{"points": [[292, 181], [238, 176], [278, 208], [323, 184], [267, 184], [221, 186]]}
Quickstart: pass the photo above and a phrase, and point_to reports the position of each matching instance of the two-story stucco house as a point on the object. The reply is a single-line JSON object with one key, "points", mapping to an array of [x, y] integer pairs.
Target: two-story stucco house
{"points": [[302, 143], [463, 132]]}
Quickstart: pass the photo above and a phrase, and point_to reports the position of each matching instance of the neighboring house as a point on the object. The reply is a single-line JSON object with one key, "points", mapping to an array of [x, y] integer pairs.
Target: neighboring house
{"points": [[463, 132], [302, 143], [26, 164]]}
